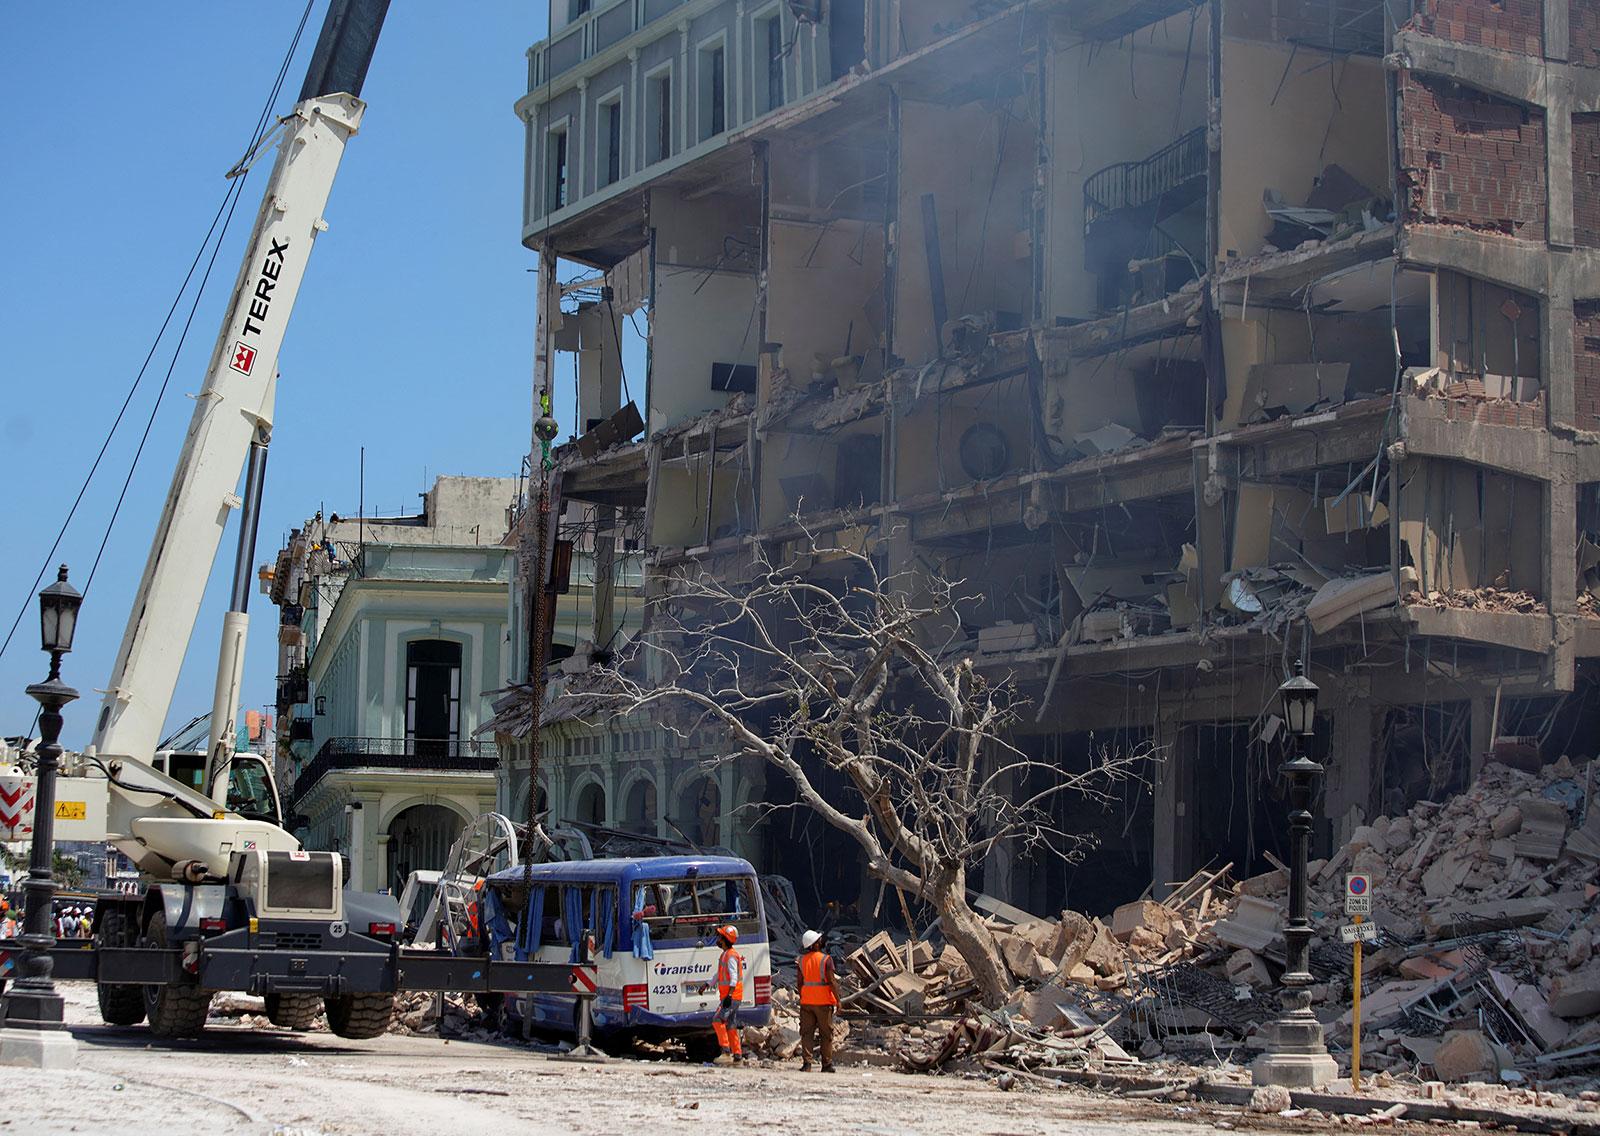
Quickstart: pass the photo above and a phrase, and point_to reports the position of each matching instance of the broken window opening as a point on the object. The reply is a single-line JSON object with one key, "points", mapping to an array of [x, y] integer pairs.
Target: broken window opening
{"points": [[1115, 869], [1423, 754], [1487, 350], [713, 92], [610, 147], [1463, 530], [1144, 222], [658, 113], [1234, 796], [771, 52], [1127, 571], [847, 36], [556, 185]]}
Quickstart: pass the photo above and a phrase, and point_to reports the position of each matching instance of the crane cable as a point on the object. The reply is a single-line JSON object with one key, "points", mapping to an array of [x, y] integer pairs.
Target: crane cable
{"points": [[224, 216]]}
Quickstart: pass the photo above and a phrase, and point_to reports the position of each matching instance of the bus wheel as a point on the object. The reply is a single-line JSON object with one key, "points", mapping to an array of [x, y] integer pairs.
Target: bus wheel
{"points": [[702, 1047]]}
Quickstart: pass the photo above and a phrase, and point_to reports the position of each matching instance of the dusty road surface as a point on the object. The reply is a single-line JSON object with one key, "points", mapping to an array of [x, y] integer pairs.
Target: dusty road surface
{"points": [[274, 1082]]}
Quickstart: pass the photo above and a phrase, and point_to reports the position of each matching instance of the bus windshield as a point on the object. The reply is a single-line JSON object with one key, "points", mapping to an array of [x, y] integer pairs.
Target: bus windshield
{"points": [[711, 900]]}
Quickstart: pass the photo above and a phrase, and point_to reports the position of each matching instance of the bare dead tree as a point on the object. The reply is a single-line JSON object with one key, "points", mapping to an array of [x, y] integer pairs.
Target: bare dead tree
{"points": [[809, 673]]}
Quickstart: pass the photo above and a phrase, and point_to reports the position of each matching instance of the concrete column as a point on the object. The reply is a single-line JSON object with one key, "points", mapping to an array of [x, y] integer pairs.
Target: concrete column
{"points": [[1561, 528], [1558, 159], [735, 61], [1169, 857], [1480, 738], [1557, 35], [663, 795], [382, 840], [1347, 800], [605, 552], [634, 127], [684, 80], [1000, 876], [358, 845], [578, 150]]}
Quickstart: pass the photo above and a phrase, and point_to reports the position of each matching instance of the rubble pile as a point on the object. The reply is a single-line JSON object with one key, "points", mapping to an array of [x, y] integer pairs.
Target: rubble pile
{"points": [[1485, 968], [1487, 598], [1486, 901]]}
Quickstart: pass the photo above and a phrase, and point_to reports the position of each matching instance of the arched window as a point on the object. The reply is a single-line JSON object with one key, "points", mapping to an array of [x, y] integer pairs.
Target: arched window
{"points": [[591, 805], [640, 810], [433, 696], [700, 812]]}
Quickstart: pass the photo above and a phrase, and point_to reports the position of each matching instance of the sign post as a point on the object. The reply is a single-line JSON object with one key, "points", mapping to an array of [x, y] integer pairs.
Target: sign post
{"points": [[1357, 905], [585, 983]]}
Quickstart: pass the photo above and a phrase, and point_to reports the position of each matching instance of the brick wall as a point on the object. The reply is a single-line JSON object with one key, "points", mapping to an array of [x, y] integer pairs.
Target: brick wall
{"points": [[1469, 159], [1583, 32], [1586, 179], [1586, 350], [1511, 25]]}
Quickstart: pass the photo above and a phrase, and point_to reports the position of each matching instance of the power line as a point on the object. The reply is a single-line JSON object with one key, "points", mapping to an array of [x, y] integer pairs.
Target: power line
{"points": [[224, 214]]}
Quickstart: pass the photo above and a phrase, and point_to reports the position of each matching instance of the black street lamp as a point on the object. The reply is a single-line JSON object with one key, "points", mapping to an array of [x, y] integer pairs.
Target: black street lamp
{"points": [[1296, 1055], [31, 1011]]}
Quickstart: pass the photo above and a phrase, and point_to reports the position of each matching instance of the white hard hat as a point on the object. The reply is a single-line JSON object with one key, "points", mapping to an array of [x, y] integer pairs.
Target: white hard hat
{"points": [[810, 939]]}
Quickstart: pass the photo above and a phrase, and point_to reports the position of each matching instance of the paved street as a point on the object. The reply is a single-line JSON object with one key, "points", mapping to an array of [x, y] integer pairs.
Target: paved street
{"points": [[238, 1080]]}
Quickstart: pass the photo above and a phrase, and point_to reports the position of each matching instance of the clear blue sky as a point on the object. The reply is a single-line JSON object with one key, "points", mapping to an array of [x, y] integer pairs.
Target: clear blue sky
{"points": [[412, 335]]}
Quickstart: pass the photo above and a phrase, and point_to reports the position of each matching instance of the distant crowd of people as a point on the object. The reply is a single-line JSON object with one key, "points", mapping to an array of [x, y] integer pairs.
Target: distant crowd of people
{"points": [[72, 920]]}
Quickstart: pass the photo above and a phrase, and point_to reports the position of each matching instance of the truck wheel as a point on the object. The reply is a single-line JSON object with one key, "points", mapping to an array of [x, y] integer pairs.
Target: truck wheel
{"points": [[360, 1016], [174, 1011], [120, 1004], [293, 1011]]}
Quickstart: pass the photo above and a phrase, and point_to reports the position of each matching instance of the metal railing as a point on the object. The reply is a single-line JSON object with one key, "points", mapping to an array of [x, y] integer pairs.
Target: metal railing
{"points": [[604, 26], [1129, 185], [447, 755], [293, 687]]}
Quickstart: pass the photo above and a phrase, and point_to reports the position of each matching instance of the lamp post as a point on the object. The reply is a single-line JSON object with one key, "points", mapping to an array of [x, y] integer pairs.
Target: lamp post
{"points": [[1296, 1055], [31, 1013]]}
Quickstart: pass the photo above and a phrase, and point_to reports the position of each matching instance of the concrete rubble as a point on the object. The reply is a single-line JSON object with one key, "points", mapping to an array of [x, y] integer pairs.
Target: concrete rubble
{"points": [[1484, 973]]}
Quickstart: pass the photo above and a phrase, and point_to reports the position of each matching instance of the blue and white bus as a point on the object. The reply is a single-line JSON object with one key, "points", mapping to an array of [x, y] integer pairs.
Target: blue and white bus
{"points": [[654, 921]]}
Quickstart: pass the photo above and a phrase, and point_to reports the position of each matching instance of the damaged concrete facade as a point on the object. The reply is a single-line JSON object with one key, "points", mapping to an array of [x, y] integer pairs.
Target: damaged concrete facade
{"points": [[1198, 336]]}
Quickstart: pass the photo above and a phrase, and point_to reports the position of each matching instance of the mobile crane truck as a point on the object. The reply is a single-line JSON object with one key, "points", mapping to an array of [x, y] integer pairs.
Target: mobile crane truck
{"points": [[231, 901]]}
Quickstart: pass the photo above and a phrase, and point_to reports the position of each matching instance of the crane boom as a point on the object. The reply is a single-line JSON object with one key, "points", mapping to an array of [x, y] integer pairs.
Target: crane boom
{"points": [[233, 410]]}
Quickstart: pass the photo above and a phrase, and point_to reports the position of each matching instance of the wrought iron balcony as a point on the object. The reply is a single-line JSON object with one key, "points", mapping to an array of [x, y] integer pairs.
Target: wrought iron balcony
{"points": [[1159, 180], [430, 755], [1136, 211], [293, 687]]}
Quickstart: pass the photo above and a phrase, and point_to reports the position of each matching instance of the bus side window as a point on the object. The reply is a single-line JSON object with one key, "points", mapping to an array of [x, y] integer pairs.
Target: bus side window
{"points": [[551, 926]]}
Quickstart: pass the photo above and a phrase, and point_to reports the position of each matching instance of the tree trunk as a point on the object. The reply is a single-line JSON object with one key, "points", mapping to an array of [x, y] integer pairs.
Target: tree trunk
{"points": [[965, 931]]}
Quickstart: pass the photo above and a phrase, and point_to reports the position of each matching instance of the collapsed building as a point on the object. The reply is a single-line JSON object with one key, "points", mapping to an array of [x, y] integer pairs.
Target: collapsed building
{"points": [[1198, 337]]}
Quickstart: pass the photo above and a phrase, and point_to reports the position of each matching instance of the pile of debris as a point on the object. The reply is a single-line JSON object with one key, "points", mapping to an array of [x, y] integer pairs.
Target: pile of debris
{"points": [[1485, 969], [1488, 598]]}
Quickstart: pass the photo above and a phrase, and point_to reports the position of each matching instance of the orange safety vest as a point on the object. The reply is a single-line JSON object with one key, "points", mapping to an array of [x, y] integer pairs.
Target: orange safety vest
{"points": [[730, 975], [816, 969]]}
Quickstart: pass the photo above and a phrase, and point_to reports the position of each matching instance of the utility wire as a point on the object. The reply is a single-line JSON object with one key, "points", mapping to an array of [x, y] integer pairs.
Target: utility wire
{"points": [[224, 215]]}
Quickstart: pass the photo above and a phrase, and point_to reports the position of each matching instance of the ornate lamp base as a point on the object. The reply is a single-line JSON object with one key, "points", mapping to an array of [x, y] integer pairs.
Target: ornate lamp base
{"points": [[38, 1049], [1296, 1057]]}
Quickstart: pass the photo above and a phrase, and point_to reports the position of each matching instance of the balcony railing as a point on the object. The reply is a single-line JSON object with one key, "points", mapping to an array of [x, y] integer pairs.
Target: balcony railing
{"points": [[604, 27], [1130, 185], [293, 688], [432, 755]]}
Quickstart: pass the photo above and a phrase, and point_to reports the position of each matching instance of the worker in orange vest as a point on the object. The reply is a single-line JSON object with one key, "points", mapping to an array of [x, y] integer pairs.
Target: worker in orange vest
{"points": [[819, 998], [730, 993]]}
